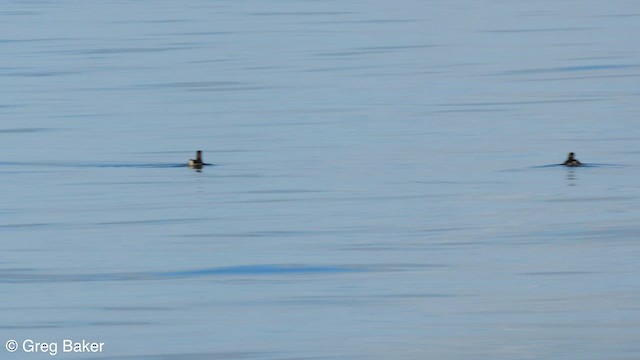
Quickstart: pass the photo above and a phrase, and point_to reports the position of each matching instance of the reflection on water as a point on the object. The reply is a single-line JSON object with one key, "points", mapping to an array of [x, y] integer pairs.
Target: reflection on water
{"points": [[571, 177]]}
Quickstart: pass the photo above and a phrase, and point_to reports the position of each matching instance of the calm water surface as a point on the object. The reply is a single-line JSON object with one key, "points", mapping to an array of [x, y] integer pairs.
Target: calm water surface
{"points": [[382, 185]]}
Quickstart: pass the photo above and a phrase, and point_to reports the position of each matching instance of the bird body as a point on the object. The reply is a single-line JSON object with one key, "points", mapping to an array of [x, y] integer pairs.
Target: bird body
{"points": [[196, 163], [571, 160]]}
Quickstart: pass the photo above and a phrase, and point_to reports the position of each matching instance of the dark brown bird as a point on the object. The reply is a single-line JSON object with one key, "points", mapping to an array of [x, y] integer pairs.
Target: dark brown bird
{"points": [[197, 163], [571, 160]]}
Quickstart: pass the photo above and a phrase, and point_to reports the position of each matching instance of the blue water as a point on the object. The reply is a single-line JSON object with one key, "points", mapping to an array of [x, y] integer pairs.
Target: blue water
{"points": [[384, 181]]}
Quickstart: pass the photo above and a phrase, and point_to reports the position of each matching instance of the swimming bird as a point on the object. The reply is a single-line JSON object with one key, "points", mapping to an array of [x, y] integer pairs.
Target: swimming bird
{"points": [[571, 160], [197, 163]]}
